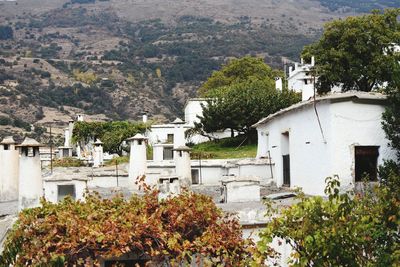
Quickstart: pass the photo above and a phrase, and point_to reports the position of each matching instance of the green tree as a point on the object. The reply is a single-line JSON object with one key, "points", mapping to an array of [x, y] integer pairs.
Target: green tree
{"points": [[344, 230], [239, 106], [391, 116], [238, 71], [240, 94], [110, 133], [357, 52]]}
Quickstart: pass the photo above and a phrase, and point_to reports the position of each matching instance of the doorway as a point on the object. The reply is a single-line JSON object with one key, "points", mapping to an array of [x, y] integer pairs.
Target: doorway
{"points": [[285, 158]]}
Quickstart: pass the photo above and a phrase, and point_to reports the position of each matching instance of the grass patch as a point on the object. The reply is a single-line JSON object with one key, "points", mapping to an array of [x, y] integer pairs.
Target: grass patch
{"points": [[119, 160], [68, 162], [225, 148]]}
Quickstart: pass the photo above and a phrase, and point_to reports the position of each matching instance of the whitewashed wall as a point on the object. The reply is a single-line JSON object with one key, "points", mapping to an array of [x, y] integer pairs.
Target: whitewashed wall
{"points": [[193, 109], [9, 167], [30, 181], [51, 189], [356, 124], [344, 125]]}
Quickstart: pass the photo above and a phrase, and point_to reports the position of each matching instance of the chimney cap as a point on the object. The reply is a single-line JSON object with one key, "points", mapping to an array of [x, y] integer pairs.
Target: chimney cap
{"points": [[137, 137], [8, 140], [178, 121], [30, 142], [98, 142]]}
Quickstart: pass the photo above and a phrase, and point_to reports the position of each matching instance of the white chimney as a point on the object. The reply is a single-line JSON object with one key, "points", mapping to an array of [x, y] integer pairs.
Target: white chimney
{"points": [[137, 158], [144, 118], [302, 61], [182, 165], [30, 175], [71, 131], [312, 61], [67, 137], [278, 83], [9, 170], [98, 156]]}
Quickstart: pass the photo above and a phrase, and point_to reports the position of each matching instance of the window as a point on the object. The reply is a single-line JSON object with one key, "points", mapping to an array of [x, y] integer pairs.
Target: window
{"points": [[195, 176], [366, 162], [65, 190], [6, 147], [170, 138], [168, 153]]}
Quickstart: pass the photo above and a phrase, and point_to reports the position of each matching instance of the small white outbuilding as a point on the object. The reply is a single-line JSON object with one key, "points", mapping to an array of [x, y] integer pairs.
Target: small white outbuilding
{"points": [[338, 134]]}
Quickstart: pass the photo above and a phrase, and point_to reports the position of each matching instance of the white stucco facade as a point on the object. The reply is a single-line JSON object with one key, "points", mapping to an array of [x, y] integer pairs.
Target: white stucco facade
{"points": [[53, 188], [302, 81], [98, 154], [30, 175], [193, 109], [9, 171], [161, 133], [347, 120]]}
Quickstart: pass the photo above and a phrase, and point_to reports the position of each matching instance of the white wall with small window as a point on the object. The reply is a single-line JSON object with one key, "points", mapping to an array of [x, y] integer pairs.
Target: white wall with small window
{"points": [[339, 134], [56, 190]]}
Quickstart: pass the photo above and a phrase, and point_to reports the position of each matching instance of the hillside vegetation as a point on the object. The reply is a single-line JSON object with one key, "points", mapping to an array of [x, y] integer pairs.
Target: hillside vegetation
{"points": [[119, 59]]}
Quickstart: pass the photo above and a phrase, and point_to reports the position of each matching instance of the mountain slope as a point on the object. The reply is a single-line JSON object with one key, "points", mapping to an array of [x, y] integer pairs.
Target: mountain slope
{"points": [[117, 59]]}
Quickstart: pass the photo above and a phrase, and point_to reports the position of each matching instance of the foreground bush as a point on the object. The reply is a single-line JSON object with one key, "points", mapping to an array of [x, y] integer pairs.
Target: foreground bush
{"points": [[74, 233], [350, 229]]}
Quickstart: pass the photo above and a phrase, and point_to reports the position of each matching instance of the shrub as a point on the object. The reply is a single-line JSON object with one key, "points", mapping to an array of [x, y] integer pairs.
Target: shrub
{"points": [[175, 230]]}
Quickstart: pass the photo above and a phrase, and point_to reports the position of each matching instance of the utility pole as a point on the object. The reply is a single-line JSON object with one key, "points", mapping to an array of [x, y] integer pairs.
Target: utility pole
{"points": [[51, 151]]}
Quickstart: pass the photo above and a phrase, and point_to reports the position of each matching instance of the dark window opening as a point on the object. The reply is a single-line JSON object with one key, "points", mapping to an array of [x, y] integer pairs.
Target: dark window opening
{"points": [[6, 147], [65, 190], [286, 170], [305, 81], [366, 163], [139, 142], [170, 138], [65, 153], [168, 153], [195, 176]]}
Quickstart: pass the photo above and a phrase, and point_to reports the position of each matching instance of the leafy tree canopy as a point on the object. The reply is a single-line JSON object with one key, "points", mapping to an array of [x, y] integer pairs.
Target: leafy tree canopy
{"points": [[391, 116], [110, 133], [240, 94], [175, 230], [238, 71], [357, 52], [239, 106]]}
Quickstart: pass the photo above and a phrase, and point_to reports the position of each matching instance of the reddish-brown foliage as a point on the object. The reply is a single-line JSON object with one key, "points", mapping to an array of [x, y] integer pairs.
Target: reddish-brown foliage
{"points": [[176, 230]]}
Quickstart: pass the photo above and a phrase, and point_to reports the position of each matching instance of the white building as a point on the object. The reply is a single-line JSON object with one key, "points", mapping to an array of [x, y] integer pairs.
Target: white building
{"points": [[58, 187], [301, 79], [339, 134], [166, 133]]}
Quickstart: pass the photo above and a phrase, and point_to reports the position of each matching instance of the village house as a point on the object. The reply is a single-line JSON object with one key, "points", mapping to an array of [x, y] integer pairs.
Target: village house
{"points": [[302, 80], [165, 133], [337, 134]]}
